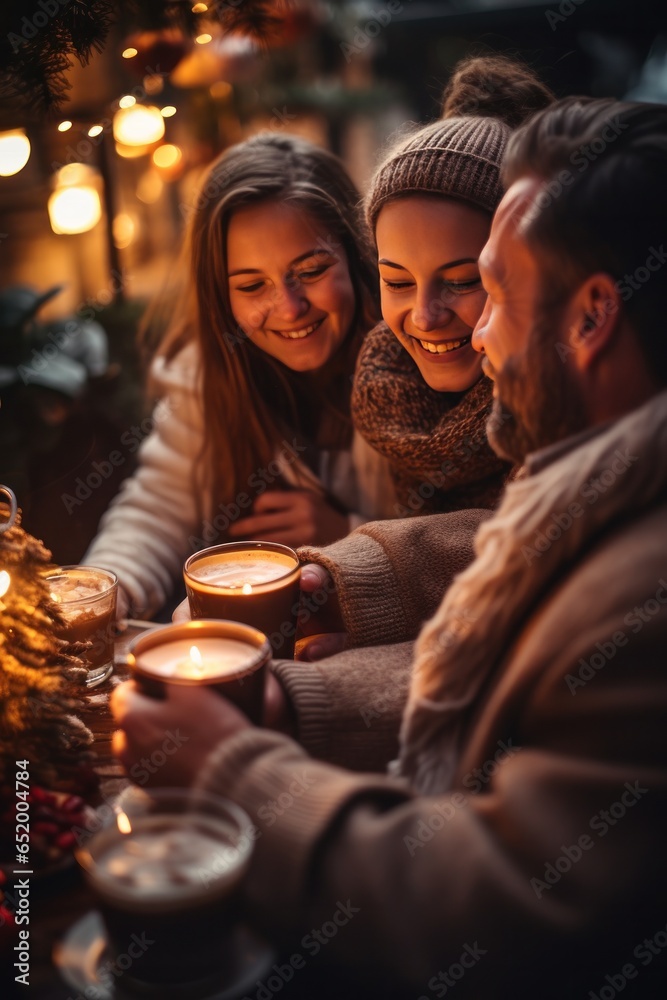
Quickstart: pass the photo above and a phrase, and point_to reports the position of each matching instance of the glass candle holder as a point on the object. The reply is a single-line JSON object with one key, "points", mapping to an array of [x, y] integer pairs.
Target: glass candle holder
{"points": [[166, 868], [86, 597], [252, 582]]}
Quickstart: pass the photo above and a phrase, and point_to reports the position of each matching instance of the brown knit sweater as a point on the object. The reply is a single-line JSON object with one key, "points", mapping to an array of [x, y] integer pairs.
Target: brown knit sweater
{"points": [[435, 442], [542, 869]]}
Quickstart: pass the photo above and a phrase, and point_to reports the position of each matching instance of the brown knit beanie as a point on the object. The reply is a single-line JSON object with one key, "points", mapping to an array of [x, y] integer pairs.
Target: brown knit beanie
{"points": [[458, 158], [460, 155]]}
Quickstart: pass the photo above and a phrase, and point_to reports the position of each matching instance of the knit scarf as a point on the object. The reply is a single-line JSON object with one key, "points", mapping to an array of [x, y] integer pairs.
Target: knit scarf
{"points": [[436, 444], [609, 472]]}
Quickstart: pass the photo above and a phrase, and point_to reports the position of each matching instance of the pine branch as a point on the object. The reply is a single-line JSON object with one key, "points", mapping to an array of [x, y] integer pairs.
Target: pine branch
{"points": [[41, 675], [34, 57]]}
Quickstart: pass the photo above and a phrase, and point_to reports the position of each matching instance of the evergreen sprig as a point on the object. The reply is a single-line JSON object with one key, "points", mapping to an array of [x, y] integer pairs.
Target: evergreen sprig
{"points": [[41, 676], [34, 55]]}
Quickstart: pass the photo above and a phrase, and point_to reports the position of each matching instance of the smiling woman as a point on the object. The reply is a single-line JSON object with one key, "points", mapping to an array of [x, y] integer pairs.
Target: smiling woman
{"points": [[420, 397], [290, 297], [255, 438]]}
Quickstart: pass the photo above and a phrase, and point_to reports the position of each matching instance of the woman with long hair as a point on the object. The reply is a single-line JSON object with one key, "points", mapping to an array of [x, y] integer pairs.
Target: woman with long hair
{"points": [[252, 437]]}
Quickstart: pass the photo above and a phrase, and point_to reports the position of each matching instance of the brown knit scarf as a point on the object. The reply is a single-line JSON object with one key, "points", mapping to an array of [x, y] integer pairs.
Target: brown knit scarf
{"points": [[483, 610], [435, 442]]}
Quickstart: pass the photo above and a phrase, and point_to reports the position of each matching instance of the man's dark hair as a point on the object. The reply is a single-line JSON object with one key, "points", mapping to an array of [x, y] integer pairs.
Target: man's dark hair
{"points": [[604, 205]]}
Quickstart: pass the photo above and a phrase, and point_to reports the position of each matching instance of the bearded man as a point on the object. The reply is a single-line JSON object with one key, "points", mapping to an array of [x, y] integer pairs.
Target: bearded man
{"points": [[517, 848]]}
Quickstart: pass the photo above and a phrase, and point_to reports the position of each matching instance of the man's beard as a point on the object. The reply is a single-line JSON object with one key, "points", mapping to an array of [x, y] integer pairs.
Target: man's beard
{"points": [[538, 400]]}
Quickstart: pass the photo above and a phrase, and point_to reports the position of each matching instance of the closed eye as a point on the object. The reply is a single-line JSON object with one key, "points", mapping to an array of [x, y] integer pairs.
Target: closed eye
{"points": [[254, 287], [397, 286], [312, 272], [463, 286]]}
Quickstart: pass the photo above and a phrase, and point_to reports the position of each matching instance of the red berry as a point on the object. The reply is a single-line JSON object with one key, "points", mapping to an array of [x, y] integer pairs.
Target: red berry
{"points": [[65, 841]]}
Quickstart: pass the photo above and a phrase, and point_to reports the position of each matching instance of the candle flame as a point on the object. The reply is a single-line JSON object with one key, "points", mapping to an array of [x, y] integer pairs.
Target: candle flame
{"points": [[123, 822], [195, 660], [247, 589], [5, 580]]}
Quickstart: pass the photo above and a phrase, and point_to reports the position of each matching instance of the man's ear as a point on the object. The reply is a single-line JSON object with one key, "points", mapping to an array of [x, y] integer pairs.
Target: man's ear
{"points": [[593, 316]]}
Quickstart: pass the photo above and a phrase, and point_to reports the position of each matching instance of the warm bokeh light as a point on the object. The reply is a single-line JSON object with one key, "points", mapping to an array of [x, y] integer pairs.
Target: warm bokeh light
{"points": [[127, 101], [129, 53], [74, 173], [14, 152], [74, 210], [220, 89], [5, 580], [150, 187], [131, 152], [168, 111], [200, 8], [124, 229], [64, 126], [167, 156], [139, 125], [203, 39], [95, 130]]}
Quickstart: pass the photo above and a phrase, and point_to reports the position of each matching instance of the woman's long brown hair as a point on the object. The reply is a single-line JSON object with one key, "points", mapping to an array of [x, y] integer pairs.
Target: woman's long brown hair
{"points": [[243, 426]]}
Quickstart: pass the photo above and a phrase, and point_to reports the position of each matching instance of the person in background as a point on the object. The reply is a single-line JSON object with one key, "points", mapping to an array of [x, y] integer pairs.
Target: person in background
{"points": [[518, 849], [419, 396], [252, 437]]}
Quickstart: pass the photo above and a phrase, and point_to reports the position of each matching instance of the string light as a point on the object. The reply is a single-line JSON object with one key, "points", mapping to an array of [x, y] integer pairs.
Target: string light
{"points": [[74, 209], [167, 156], [139, 125]]}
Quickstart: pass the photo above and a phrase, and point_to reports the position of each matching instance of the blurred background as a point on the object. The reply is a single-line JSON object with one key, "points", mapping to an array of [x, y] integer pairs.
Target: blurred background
{"points": [[111, 111]]}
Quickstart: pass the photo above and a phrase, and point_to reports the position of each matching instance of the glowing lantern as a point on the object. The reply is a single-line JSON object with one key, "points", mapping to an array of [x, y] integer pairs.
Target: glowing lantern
{"points": [[140, 125], [14, 152], [74, 209]]}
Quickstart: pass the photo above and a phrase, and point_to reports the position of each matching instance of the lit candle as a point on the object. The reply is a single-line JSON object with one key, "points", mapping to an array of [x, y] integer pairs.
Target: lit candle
{"points": [[211, 657], [227, 656], [252, 582]]}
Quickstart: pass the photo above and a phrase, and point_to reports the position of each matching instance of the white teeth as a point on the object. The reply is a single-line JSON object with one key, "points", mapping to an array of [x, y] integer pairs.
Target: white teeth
{"points": [[451, 345], [298, 334]]}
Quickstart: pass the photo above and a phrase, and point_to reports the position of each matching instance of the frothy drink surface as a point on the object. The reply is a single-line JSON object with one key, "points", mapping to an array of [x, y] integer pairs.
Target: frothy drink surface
{"points": [[242, 568], [169, 860], [68, 591]]}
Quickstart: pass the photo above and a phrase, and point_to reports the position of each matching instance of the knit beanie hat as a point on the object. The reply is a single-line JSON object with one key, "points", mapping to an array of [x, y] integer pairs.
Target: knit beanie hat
{"points": [[458, 157]]}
